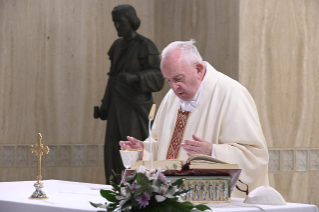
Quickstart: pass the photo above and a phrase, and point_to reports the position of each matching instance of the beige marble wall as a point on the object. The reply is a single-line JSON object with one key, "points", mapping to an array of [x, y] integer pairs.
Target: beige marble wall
{"points": [[279, 63], [53, 65]]}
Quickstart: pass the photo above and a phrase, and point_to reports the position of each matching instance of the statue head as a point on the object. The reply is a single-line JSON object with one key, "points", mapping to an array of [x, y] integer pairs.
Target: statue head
{"points": [[182, 66], [125, 19]]}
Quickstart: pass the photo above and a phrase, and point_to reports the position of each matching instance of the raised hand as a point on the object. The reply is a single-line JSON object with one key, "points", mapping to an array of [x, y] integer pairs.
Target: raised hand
{"points": [[197, 146], [132, 143]]}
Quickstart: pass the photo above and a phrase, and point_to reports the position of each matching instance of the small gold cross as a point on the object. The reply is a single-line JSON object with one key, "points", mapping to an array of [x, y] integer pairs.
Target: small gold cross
{"points": [[39, 149]]}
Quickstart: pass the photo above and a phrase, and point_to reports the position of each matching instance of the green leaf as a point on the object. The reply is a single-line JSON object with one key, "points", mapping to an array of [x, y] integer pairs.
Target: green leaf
{"points": [[148, 189], [175, 166], [102, 192], [188, 204], [138, 192], [178, 182], [202, 207], [111, 178], [130, 177], [169, 171], [98, 205], [142, 179], [109, 195], [116, 187]]}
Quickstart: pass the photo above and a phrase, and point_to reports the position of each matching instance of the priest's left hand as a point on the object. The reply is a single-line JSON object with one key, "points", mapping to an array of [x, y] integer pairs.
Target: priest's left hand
{"points": [[197, 146]]}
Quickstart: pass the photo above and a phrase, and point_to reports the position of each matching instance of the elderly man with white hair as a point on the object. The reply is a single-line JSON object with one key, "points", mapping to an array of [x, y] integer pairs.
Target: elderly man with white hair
{"points": [[206, 112]]}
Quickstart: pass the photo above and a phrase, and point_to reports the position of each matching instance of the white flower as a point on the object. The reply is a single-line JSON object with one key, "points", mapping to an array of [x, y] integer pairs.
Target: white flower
{"points": [[170, 192], [160, 198], [141, 169], [151, 174], [163, 189], [119, 197], [156, 173]]}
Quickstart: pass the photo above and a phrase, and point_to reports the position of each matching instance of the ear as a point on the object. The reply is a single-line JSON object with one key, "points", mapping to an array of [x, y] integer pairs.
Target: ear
{"points": [[200, 69]]}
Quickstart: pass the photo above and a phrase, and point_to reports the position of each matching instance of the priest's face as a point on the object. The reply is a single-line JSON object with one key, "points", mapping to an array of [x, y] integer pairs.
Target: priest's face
{"points": [[183, 77], [122, 25]]}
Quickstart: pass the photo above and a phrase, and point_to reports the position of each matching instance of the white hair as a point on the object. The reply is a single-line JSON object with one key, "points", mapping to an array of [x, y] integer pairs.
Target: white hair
{"points": [[187, 49]]}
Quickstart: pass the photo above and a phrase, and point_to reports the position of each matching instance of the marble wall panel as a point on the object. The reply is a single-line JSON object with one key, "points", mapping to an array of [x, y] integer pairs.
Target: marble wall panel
{"points": [[78, 155], [92, 155], [274, 160], [34, 160], [314, 160], [22, 156], [288, 160], [301, 160], [8, 155], [51, 159], [64, 155]]}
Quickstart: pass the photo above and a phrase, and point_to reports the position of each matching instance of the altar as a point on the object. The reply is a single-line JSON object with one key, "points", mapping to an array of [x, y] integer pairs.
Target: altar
{"points": [[65, 196]]}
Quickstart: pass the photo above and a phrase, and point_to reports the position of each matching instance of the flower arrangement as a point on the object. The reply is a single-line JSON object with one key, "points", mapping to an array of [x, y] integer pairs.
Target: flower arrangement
{"points": [[147, 190]]}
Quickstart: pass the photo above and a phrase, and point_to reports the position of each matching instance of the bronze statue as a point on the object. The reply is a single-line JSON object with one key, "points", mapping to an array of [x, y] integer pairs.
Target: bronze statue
{"points": [[134, 75]]}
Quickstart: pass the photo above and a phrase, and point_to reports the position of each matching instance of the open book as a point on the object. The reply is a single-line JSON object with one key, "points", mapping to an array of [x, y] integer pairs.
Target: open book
{"points": [[196, 165], [197, 161]]}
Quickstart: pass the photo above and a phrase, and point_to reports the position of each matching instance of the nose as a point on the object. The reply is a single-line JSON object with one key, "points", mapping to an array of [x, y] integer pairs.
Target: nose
{"points": [[116, 24], [174, 85]]}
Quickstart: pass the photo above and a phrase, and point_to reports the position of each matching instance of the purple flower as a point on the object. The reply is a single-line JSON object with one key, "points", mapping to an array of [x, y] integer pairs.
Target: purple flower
{"points": [[133, 187], [161, 176], [143, 200]]}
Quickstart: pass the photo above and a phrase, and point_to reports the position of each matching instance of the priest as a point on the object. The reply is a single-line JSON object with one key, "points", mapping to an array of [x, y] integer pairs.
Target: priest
{"points": [[206, 112]]}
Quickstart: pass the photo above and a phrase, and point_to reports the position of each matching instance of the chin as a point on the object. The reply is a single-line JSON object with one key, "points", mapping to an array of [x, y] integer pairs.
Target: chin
{"points": [[185, 98]]}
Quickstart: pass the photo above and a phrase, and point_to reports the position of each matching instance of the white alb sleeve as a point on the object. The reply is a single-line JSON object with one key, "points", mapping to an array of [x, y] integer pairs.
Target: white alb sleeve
{"points": [[213, 152]]}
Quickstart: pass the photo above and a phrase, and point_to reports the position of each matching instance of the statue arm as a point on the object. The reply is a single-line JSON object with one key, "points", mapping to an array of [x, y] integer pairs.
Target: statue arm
{"points": [[102, 111], [150, 79]]}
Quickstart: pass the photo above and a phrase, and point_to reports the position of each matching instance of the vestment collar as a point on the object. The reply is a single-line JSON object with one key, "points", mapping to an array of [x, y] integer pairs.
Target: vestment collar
{"points": [[195, 101]]}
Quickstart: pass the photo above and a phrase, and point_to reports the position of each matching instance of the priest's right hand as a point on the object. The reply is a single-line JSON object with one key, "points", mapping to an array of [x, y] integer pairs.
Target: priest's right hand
{"points": [[132, 143]]}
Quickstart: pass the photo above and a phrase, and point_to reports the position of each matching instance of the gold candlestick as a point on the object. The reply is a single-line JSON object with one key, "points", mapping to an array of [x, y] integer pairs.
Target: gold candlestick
{"points": [[39, 149]]}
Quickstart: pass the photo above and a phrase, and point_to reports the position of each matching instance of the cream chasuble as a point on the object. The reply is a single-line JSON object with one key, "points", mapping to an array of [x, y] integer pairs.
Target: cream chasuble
{"points": [[227, 117]]}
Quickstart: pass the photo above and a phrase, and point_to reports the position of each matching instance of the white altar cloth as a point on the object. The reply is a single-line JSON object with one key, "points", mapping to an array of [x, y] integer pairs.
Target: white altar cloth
{"points": [[67, 196]]}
